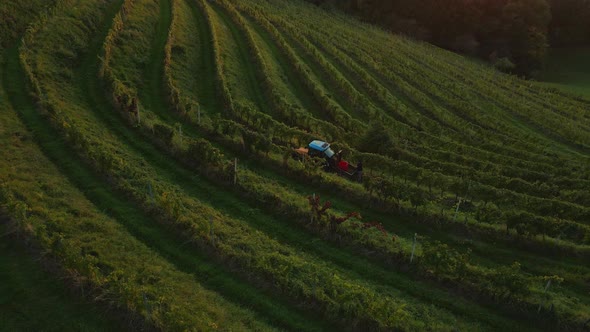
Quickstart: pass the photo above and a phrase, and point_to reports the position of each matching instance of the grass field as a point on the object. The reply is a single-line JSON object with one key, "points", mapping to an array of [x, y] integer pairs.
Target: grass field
{"points": [[32, 299], [569, 69], [149, 156]]}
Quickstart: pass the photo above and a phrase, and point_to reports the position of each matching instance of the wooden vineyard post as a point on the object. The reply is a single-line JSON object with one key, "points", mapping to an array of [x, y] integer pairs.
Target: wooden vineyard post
{"points": [[24, 208], [413, 247], [147, 306], [312, 206], [235, 171], [211, 231], [151, 193], [180, 133], [457, 210], [544, 295]]}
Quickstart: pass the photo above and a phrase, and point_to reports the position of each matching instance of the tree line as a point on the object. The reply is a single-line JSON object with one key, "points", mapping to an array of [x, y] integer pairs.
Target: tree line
{"points": [[514, 35]]}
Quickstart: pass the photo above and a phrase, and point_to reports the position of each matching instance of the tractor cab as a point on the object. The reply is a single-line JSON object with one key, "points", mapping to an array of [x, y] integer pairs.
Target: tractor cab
{"points": [[316, 149], [320, 149], [334, 162]]}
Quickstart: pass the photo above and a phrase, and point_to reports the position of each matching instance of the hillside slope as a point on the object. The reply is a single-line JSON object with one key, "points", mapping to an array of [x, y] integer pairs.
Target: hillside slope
{"points": [[170, 125]]}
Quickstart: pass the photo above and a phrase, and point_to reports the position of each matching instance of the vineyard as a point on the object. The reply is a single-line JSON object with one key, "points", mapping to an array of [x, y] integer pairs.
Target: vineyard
{"points": [[147, 159]]}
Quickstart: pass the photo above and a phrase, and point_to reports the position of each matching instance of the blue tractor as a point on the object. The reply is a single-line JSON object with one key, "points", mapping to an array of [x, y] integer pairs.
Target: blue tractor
{"points": [[334, 162]]}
